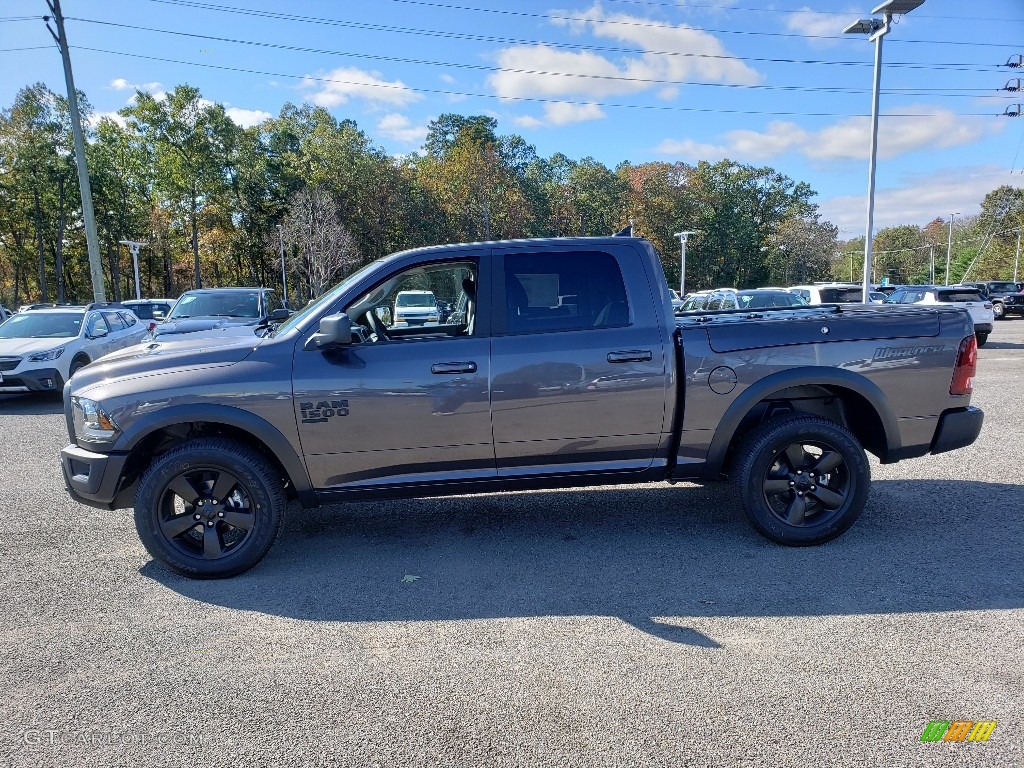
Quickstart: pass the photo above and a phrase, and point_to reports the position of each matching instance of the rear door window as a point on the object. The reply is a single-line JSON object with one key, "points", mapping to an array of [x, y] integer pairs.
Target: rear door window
{"points": [[537, 284], [959, 295]]}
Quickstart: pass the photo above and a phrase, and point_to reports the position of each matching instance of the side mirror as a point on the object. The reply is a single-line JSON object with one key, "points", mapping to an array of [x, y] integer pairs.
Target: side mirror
{"points": [[334, 331], [279, 315], [158, 314]]}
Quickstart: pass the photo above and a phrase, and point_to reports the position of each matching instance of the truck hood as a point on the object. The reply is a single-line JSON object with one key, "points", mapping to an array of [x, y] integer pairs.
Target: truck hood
{"points": [[195, 350], [22, 347], [193, 324]]}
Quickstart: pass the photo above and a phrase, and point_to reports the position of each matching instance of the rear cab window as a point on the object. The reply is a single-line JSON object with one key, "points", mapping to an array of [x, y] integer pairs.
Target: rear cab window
{"points": [[537, 286]]}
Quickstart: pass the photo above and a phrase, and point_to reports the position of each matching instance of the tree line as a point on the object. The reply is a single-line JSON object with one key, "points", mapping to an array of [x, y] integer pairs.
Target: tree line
{"points": [[216, 204]]}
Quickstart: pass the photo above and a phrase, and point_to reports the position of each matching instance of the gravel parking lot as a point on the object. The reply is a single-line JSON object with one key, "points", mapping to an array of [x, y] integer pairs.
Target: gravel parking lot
{"points": [[605, 627]]}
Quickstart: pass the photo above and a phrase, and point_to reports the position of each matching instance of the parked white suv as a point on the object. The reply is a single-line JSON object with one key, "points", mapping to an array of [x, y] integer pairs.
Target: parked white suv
{"points": [[830, 293], [42, 348], [966, 296]]}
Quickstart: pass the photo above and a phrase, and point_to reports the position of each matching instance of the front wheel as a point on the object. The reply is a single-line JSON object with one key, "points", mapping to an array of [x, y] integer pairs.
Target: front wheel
{"points": [[210, 508], [802, 480], [998, 310]]}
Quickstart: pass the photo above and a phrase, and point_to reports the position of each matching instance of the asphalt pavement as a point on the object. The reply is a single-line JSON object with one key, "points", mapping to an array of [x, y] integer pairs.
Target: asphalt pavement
{"points": [[622, 626]]}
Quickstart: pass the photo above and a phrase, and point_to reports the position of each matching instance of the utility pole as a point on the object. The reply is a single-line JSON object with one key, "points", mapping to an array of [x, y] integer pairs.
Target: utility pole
{"points": [[284, 274], [949, 246], [88, 215]]}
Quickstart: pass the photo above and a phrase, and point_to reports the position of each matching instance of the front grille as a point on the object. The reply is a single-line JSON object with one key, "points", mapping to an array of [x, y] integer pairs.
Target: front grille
{"points": [[9, 363]]}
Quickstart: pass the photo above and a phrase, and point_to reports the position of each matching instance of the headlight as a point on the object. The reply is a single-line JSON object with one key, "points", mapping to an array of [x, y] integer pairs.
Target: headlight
{"points": [[91, 421], [51, 354]]}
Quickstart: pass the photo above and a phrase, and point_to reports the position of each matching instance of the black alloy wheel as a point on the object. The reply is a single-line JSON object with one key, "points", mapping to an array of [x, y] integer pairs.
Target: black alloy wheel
{"points": [[210, 508], [802, 479]]}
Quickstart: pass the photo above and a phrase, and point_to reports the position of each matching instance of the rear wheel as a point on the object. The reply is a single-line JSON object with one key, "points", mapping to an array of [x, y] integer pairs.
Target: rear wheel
{"points": [[981, 337], [209, 509], [802, 480]]}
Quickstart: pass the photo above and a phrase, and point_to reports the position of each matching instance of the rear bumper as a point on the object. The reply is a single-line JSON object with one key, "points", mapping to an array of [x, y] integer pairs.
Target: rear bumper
{"points": [[957, 428], [983, 327], [91, 478]]}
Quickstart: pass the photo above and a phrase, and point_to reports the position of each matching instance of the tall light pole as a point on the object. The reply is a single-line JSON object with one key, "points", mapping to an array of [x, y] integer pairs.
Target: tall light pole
{"points": [[1016, 259], [284, 274], [133, 247], [876, 29], [683, 237], [949, 246]]}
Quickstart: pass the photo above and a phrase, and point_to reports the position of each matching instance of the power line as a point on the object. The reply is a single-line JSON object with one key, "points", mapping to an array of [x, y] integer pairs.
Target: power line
{"points": [[972, 92], [655, 25], [486, 38], [804, 9], [528, 99]]}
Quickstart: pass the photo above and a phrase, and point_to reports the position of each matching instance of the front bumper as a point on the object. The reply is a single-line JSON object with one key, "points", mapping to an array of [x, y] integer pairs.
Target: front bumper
{"points": [[38, 380], [91, 478], [957, 428]]}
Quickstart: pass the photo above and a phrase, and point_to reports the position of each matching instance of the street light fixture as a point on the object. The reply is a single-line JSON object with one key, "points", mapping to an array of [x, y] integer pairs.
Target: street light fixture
{"points": [[683, 237], [949, 246], [876, 29], [134, 247]]}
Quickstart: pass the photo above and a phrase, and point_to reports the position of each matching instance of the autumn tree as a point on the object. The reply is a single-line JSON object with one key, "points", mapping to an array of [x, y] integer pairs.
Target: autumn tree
{"points": [[323, 249]]}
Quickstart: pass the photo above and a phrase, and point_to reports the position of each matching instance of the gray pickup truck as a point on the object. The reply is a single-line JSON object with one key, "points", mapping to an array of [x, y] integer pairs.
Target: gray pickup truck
{"points": [[562, 365]]}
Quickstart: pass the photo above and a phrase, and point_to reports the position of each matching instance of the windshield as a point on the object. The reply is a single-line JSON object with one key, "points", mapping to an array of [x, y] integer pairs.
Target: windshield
{"points": [[1002, 287], [42, 325], [959, 295], [762, 299], [228, 304], [415, 300], [324, 300], [842, 295]]}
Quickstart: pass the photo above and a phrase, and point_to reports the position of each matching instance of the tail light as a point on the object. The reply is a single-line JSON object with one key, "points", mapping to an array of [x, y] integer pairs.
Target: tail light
{"points": [[988, 305], [152, 327], [966, 367]]}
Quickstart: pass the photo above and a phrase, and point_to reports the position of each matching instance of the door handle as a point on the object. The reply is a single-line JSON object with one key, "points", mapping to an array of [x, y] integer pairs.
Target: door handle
{"points": [[630, 356], [467, 367]]}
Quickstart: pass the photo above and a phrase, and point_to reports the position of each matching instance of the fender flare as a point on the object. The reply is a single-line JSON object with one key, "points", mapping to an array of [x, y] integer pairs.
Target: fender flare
{"points": [[255, 425], [764, 388]]}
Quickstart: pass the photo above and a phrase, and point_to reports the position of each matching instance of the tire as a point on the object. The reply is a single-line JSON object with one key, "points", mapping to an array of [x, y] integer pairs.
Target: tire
{"points": [[998, 310], [231, 530], [778, 473], [982, 338], [77, 364]]}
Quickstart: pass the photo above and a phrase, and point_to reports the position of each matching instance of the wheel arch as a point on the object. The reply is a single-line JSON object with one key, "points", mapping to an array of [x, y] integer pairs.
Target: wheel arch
{"points": [[847, 398], [172, 426]]}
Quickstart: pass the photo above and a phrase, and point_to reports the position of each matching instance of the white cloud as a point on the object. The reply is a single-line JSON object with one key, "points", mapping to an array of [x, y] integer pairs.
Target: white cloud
{"points": [[817, 25], [918, 199], [447, 79], [247, 118], [688, 149], [96, 117], [339, 86], [673, 53], [847, 139], [527, 121], [400, 128], [120, 84]]}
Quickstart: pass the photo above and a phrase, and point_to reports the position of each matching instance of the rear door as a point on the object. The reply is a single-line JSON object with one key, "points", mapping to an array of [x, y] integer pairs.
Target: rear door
{"points": [[576, 386]]}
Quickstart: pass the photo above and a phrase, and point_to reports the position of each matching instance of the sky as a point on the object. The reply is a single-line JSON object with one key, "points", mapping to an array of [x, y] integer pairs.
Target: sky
{"points": [[762, 82]]}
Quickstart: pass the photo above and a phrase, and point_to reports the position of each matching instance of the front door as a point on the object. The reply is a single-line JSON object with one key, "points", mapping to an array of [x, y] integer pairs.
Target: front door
{"points": [[406, 405]]}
